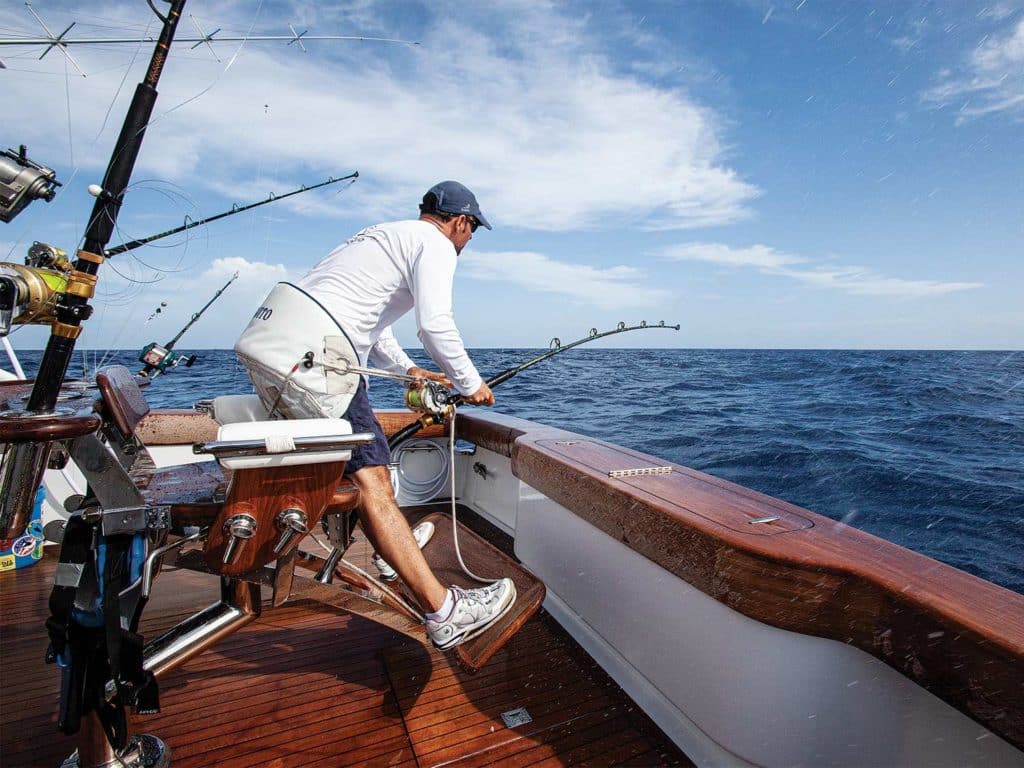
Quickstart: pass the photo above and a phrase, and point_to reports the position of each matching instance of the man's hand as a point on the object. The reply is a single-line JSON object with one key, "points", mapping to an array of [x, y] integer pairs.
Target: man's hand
{"points": [[423, 373], [483, 396]]}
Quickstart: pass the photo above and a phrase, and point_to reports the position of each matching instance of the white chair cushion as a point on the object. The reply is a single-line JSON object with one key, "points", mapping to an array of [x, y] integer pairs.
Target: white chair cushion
{"points": [[277, 434]]}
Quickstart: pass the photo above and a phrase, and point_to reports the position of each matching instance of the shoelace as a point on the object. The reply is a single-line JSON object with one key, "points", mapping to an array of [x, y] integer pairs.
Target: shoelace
{"points": [[479, 596]]}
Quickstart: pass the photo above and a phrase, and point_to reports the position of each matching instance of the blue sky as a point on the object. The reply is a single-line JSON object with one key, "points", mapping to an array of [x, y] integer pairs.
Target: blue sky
{"points": [[766, 173]]}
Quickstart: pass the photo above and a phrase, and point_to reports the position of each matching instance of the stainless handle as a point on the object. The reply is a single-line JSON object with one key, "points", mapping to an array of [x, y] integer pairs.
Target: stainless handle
{"points": [[291, 521], [239, 529]]}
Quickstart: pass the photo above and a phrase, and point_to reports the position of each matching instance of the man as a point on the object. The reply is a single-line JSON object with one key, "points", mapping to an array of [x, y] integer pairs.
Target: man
{"points": [[366, 284]]}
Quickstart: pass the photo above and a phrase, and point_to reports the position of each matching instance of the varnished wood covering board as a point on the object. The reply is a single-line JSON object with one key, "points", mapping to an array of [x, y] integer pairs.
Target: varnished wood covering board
{"points": [[301, 686], [393, 420], [960, 637], [680, 492], [169, 426]]}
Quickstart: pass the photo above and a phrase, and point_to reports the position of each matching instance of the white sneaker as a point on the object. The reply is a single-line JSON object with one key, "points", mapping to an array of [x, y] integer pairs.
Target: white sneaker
{"points": [[474, 611], [421, 533]]}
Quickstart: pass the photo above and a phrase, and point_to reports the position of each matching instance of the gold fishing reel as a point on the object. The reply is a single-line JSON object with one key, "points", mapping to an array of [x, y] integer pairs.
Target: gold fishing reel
{"points": [[30, 292], [428, 397]]}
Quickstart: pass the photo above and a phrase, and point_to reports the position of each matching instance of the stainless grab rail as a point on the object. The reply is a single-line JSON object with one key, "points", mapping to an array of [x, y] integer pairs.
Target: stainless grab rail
{"points": [[260, 446]]}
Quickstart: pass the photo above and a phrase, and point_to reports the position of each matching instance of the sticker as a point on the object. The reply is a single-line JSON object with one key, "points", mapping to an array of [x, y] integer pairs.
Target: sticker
{"points": [[23, 546], [7, 562]]}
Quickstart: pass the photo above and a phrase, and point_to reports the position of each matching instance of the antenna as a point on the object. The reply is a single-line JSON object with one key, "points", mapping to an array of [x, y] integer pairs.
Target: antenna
{"points": [[297, 36], [55, 42], [207, 38]]}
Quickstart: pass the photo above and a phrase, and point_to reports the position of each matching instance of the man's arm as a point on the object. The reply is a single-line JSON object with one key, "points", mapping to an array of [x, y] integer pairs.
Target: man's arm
{"points": [[433, 276], [388, 354]]}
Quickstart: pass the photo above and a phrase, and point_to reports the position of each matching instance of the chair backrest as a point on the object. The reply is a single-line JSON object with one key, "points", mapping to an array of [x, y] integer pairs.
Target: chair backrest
{"points": [[123, 407], [125, 404]]}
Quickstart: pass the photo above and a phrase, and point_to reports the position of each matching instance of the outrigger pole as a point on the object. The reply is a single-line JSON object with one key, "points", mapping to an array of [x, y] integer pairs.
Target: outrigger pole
{"points": [[133, 244], [25, 462], [73, 305], [556, 345]]}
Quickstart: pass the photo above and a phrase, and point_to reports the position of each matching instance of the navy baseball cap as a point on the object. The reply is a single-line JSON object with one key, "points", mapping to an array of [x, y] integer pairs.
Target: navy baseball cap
{"points": [[455, 198]]}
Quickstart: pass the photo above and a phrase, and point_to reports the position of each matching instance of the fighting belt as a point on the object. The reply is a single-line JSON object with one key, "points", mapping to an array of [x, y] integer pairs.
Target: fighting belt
{"points": [[297, 356]]}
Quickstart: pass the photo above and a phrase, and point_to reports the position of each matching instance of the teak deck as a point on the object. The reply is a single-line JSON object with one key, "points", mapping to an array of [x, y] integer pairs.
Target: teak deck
{"points": [[306, 686]]}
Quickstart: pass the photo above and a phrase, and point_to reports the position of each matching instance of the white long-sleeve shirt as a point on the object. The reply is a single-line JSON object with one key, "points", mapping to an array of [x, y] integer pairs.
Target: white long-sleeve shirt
{"points": [[370, 281]]}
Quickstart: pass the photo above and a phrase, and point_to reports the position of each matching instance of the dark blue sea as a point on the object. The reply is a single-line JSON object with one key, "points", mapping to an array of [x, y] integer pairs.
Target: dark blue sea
{"points": [[925, 448]]}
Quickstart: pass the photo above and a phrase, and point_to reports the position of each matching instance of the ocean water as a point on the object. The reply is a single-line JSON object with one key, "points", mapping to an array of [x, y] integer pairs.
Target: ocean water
{"points": [[923, 448]]}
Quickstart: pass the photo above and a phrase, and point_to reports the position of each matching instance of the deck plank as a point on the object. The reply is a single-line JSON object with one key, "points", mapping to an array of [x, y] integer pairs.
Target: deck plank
{"points": [[319, 688]]}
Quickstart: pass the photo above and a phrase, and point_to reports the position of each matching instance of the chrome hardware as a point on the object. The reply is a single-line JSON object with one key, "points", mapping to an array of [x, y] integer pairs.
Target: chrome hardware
{"points": [[616, 473], [239, 528], [326, 573], [291, 521], [226, 449], [149, 568], [763, 520]]}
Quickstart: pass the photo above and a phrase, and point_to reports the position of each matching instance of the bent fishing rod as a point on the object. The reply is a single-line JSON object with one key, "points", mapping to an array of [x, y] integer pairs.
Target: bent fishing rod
{"points": [[436, 403], [133, 244]]}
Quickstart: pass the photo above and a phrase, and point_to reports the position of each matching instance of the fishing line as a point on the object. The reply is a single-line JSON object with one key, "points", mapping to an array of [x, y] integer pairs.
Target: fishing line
{"points": [[117, 93], [71, 141], [455, 518], [176, 195]]}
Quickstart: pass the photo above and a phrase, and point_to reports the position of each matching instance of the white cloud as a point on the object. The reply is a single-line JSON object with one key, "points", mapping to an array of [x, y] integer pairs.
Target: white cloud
{"points": [[760, 256], [617, 287], [991, 80], [527, 109], [849, 279], [250, 273]]}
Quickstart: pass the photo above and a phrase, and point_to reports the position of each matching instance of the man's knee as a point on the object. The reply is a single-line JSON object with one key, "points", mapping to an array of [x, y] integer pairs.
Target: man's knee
{"points": [[374, 484]]}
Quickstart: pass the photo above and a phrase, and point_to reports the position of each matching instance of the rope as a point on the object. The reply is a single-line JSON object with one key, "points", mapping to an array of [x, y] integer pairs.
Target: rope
{"points": [[455, 518]]}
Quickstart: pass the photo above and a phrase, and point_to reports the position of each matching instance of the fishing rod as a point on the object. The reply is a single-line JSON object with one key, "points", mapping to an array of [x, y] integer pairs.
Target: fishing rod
{"points": [[160, 358], [133, 244], [434, 400]]}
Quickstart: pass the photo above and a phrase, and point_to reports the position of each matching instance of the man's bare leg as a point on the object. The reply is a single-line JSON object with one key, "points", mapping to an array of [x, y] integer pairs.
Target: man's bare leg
{"points": [[391, 537]]}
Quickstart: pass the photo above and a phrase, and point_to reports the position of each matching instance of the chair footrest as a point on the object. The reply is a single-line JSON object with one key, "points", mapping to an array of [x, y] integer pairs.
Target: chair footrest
{"points": [[486, 561]]}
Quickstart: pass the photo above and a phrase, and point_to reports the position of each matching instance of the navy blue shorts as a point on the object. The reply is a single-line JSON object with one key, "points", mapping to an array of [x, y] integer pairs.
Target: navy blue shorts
{"points": [[360, 416]]}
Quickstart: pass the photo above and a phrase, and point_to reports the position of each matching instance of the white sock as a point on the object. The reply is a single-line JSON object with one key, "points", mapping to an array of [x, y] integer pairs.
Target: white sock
{"points": [[445, 610]]}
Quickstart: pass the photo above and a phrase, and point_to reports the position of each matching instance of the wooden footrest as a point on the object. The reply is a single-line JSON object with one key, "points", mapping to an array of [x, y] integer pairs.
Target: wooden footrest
{"points": [[488, 562]]}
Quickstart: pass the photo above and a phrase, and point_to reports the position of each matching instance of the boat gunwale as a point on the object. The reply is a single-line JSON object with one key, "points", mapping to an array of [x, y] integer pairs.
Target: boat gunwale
{"points": [[955, 634]]}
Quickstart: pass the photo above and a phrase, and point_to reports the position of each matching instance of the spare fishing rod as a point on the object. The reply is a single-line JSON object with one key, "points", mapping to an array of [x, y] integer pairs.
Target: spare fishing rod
{"points": [[159, 358], [133, 244], [436, 403]]}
